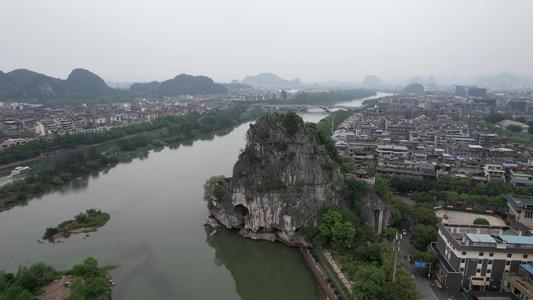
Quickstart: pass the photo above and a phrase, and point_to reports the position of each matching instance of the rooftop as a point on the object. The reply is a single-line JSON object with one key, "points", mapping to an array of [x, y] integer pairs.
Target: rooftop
{"points": [[513, 239]]}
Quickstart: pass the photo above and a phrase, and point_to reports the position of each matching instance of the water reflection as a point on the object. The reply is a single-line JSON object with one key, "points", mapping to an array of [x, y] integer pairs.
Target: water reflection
{"points": [[263, 266]]}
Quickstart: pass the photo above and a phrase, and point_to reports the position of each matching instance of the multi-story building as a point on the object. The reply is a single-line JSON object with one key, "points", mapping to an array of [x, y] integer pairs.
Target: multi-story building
{"points": [[521, 283], [476, 257], [494, 172], [520, 210]]}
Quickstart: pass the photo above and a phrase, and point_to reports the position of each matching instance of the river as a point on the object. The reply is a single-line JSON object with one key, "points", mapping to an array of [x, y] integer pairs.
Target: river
{"points": [[156, 233]]}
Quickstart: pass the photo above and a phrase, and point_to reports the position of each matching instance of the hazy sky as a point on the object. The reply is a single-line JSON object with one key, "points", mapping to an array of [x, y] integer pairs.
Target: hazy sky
{"points": [[129, 40]]}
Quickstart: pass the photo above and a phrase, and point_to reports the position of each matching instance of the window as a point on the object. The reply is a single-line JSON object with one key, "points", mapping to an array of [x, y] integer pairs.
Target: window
{"points": [[464, 253], [478, 270], [491, 254], [525, 255], [480, 253], [488, 271], [529, 214], [490, 262], [509, 255], [462, 269], [479, 262], [463, 260], [508, 263]]}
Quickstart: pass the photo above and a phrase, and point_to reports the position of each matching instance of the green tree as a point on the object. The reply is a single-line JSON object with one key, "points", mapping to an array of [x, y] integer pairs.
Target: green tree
{"points": [[96, 286], [514, 128], [369, 283], [327, 221], [89, 268], [342, 235], [425, 215], [427, 257], [291, 121], [494, 118], [423, 235], [521, 119], [391, 233]]}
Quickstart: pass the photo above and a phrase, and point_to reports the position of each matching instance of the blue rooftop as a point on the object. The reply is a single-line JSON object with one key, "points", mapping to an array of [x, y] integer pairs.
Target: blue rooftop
{"points": [[463, 139], [509, 165], [528, 268], [480, 238], [420, 155], [514, 239]]}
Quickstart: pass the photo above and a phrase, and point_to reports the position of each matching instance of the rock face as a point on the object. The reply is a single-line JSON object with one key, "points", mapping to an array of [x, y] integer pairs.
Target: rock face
{"points": [[281, 180]]}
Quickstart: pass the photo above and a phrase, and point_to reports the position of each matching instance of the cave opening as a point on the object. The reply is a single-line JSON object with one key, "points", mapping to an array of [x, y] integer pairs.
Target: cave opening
{"points": [[240, 213]]}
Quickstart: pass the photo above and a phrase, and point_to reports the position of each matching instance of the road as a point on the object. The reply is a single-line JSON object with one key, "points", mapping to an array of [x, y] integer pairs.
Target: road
{"points": [[422, 283], [431, 289]]}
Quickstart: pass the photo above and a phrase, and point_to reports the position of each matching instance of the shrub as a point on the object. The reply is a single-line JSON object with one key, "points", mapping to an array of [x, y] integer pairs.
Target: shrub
{"points": [[481, 221]]}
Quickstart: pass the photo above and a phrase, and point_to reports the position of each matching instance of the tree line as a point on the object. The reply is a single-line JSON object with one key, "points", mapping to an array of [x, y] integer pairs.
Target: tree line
{"points": [[27, 282], [79, 162], [188, 126]]}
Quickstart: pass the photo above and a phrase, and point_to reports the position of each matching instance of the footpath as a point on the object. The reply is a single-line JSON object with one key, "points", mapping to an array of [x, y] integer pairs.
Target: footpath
{"points": [[337, 269]]}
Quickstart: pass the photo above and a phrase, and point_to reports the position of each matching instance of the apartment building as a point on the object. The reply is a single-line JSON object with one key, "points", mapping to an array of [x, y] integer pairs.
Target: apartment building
{"points": [[521, 283], [476, 257], [520, 210]]}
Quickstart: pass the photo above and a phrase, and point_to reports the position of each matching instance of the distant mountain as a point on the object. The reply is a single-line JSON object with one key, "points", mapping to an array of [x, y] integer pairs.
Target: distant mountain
{"points": [[431, 80], [414, 88], [180, 85], [271, 80], [371, 81], [237, 86], [417, 79], [24, 84], [83, 80], [145, 88], [503, 80]]}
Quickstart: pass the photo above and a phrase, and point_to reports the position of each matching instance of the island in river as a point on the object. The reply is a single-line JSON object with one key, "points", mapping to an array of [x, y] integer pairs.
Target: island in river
{"points": [[87, 221]]}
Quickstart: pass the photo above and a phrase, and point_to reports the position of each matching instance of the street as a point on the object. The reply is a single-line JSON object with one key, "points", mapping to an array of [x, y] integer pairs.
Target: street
{"points": [[431, 289]]}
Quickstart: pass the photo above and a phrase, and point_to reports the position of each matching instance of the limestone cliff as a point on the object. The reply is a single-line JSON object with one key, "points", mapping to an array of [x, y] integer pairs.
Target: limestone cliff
{"points": [[281, 181]]}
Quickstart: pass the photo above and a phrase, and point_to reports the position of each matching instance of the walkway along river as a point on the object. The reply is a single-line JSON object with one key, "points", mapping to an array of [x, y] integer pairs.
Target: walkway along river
{"points": [[156, 232]]}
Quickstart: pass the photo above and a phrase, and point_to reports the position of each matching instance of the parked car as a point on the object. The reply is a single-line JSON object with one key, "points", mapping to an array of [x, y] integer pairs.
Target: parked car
{"points": [[404, 232], [413, 276]]}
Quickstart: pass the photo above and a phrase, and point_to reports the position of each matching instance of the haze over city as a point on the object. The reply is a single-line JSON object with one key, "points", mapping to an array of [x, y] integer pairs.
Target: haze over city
{"points": [[312, 40]]}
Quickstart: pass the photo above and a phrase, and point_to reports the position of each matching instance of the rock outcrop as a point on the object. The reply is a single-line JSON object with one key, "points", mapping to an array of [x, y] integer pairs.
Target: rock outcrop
{"points": [[281, 180], [280, 183]]}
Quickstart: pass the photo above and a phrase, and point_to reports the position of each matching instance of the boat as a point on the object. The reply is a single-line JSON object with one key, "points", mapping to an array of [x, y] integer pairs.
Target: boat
{"points": [[20, 171]]}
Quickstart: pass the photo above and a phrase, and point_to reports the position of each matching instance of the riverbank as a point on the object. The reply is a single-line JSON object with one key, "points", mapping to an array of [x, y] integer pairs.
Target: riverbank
{"points": [[83, 161]]}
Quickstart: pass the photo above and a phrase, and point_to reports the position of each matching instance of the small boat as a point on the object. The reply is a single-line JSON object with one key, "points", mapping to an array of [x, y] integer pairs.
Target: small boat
{"points": [[20, 171]]}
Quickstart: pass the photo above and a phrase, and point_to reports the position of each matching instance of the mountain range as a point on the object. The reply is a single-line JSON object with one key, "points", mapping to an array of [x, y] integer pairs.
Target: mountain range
{"points": [[271, 80], [81, 84], [26, 84]]}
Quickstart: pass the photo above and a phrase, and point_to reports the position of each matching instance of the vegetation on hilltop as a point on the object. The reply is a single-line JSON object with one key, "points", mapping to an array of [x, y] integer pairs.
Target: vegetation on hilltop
{"points": [[414, 88], [83, 86]]}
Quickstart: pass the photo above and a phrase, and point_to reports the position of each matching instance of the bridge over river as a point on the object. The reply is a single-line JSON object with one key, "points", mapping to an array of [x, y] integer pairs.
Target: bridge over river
{"points": [[303, 107]]}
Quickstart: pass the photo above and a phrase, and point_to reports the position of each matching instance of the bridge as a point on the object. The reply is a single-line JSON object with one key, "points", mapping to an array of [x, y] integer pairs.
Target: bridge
{"points": [[303, 107]]}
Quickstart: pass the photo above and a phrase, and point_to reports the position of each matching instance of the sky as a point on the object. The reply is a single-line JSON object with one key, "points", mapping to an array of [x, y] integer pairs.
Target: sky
{"points": [[130, 40]]}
